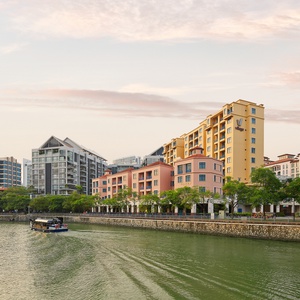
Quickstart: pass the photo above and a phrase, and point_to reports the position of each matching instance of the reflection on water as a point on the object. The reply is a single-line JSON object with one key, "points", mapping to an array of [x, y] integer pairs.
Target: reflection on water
{"points": [[99, 262]]}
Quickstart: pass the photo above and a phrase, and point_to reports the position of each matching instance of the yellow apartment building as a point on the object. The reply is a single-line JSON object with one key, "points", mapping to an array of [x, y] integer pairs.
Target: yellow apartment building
{"points": [[234, 135]]}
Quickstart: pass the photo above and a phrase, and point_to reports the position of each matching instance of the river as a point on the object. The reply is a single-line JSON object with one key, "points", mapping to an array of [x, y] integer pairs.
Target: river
{"points": [[100, 262]]}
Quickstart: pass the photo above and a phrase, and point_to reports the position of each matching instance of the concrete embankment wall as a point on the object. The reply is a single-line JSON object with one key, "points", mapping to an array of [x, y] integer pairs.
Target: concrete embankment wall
{"points": [[286, 232], [236, 229]]}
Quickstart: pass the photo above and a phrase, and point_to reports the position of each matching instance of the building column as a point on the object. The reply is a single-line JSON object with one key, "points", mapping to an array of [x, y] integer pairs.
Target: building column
{"points": [[194, 209], [176, 210], [272, 208], [210, 207], [158, 209], [278, 208]]}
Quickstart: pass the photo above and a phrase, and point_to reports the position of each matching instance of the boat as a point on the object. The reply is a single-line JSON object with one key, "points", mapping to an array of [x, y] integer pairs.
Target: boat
{"points": [[48, 225]]}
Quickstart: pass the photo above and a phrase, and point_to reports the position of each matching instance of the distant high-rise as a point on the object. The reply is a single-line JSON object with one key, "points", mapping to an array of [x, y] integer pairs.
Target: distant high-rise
{"points": [[62, 166], [10, 172], [234, 135]]}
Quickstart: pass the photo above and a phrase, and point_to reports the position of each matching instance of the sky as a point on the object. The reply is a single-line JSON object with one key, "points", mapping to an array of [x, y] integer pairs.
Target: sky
{"points": [[123, 77]]}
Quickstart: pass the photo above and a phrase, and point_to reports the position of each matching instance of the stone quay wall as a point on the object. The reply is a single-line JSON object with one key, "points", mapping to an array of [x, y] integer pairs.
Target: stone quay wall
{"points": [[259, 230], [286, 232]]}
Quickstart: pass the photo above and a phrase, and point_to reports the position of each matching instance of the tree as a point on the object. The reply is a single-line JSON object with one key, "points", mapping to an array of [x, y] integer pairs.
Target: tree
{"points": [[236, 193], [148, 202], [203, 195], [15, 198], [171, 198], [292, 191], [188, 197], [265, 188]]}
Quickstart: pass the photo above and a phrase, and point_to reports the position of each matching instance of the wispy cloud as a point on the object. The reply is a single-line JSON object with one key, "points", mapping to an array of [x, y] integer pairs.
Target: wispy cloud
{"points": [[106, 103], [12, 48], [125, 105], [158, 20], [286, 116]]}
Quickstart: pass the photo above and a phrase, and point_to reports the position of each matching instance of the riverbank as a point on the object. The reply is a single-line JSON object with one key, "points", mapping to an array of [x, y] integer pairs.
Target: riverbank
{"points": [[234, 228]]}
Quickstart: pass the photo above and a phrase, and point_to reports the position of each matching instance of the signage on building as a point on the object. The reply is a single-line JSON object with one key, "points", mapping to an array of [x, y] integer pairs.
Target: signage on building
{"points": [[239, 124]]}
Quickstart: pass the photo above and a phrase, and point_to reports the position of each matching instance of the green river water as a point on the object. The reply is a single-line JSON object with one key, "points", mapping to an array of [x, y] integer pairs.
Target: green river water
{"points": [[99, 262]]}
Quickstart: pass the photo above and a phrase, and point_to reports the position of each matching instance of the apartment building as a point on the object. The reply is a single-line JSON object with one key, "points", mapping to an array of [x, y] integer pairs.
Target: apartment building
{"points": [[287, 166], [199, 170], [234, 135], [59, 166], [10, 172], [154, 178]]}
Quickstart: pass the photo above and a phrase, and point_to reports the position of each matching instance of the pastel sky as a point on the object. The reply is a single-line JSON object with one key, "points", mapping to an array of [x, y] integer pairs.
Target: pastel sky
{"points": [[123, 77]]}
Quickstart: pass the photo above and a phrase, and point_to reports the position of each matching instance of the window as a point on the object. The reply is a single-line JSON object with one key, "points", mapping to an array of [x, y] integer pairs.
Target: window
{"points": [[155, 192], [253, 130], [252, 150], [179, 169], [228, 160], [188, 178], [229, 150], [253, 110], [188, 168], [179, 179], [202, 177], [208, 149], [229, 170], [229, 130], [253, 120], [155, 183], [229, 140], [202, 165], [253, 160], [208, 140], [253, 140], [155, 172], [134, 185]]}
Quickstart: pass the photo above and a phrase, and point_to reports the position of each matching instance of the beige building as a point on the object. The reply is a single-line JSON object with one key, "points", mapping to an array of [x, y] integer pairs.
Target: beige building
{"points": [[234, 135]]}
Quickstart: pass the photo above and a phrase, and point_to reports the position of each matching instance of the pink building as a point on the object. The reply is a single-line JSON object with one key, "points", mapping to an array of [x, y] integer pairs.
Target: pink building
{"points": [[199, 170], [100, 185], [154, 178]]}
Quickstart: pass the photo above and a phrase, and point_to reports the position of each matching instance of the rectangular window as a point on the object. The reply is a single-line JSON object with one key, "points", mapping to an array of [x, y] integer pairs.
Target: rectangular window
{"points": [[155, 183], [228, 160], [134, 176], [253, 140], [179, 179], [229, 130], [188, 178], [252, 150], [253, 160], [188, 168], [202, 165], [253, 130], [229, 170], [253, 110], [202, 177], [229, 150], [155, 172], [134, 185], [253, 120], [229, 140], [179, 169]]}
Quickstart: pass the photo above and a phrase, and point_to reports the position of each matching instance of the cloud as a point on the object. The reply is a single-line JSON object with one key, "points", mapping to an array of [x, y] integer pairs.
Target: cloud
{"points": [[125, 105], [291, 78], [106, 103], [156, 20], [286, 116], [12, 48]]}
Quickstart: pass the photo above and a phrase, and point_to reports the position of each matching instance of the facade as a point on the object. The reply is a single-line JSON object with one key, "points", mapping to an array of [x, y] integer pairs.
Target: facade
{"points": [[27, 172], [199, 170], [59, 166], [153, 179], [233, 135], [287, 166], [10, 172], [153, 157]]}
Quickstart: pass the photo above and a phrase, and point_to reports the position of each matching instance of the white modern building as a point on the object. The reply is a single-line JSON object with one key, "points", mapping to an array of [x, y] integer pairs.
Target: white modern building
{"points": [[62, 166]]}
